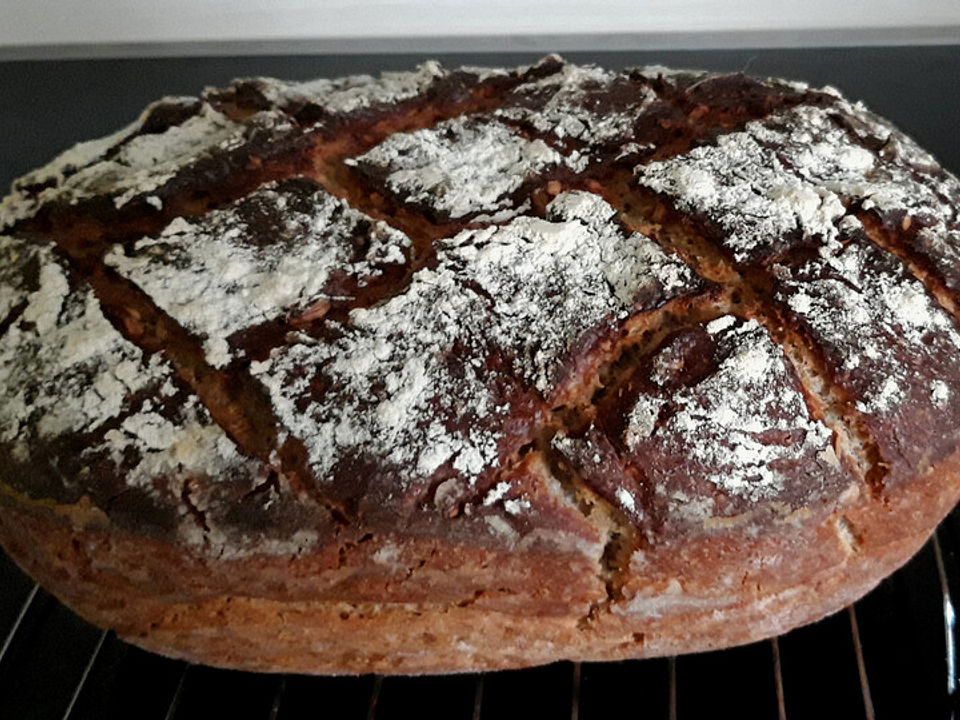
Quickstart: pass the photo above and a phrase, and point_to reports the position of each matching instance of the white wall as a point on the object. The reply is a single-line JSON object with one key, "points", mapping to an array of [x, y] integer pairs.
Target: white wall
{"points": [[26, 23]]}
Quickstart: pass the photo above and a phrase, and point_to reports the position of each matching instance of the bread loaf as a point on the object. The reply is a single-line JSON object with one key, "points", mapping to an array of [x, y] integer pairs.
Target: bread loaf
{"points": [[450, 370]]}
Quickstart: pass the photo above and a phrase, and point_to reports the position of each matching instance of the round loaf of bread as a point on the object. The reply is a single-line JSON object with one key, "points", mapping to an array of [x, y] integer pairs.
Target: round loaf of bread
{"points": [[451, 370]]}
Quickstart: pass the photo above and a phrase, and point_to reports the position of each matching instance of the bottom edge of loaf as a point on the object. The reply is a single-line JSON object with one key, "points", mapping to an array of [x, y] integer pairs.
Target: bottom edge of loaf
{"points": [[105, 576], [332, 637]]}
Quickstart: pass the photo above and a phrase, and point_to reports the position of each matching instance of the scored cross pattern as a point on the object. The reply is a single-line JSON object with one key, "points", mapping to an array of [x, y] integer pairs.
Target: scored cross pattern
{"points": [[553, 271]]}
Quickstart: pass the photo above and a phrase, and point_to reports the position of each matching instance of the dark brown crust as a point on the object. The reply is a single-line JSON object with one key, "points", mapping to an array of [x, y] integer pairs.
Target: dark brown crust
{"points": [[423, 579]]}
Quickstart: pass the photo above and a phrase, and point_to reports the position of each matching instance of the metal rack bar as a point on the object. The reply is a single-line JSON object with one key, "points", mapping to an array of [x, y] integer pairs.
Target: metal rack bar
{"points": [[374, 697], [575, 693], [278, 698], [949, 620], [177, 694], [16, 623], [83, 677], [673, 688], [861, 665], [778, 678], [477, 699]]}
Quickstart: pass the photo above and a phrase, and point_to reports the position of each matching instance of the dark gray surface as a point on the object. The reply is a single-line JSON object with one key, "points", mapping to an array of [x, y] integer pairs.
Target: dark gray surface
{"points": [[49, 105], [809, 37]]}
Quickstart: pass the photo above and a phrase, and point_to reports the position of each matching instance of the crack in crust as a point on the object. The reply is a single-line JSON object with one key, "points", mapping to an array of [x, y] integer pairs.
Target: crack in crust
{"points": [[742, 292], [578, 412], [238, 407], [12, 316], [918, 266], [620, 537], [751, 289]]}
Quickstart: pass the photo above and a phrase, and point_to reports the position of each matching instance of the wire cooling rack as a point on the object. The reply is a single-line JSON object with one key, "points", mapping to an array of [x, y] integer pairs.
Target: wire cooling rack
{"points": [[891, 655]]}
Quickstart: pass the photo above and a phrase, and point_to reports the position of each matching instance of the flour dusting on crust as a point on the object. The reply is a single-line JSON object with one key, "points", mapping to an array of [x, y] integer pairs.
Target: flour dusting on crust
{"points": [[786, 181], [784, 185], [272, 253], [415, 384], [92, 415], [63, 368], [742, 188], [347, 94], [461, 166], [578, 103], [187, 444], [888, 340], [744, 427], [553, 281], [19, 270], [125, 164]]}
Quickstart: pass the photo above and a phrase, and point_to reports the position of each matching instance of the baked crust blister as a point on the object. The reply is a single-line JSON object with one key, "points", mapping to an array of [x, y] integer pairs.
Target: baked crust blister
{"points": [[449, 370]]}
